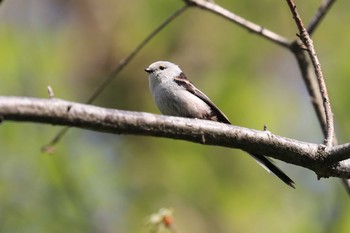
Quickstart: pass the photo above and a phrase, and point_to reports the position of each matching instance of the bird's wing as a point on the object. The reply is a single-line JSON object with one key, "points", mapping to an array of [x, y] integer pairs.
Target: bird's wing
{"points": [[216, 112]]}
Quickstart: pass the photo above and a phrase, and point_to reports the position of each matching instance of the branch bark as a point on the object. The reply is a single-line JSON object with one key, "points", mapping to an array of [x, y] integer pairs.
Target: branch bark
{"points": [[305, 38], [252, 27], [324, 161]]}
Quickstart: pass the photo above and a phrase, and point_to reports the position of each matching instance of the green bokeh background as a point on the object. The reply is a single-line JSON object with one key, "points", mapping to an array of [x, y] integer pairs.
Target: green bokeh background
{"points": [[108, 183]]}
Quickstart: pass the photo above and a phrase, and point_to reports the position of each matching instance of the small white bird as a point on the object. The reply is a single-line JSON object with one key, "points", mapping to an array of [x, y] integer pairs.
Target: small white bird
{"points": [[175, 95]]}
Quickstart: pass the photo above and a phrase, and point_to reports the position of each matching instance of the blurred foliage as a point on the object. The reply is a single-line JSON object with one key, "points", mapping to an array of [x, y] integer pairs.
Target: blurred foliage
{"points": [[108, 183]]}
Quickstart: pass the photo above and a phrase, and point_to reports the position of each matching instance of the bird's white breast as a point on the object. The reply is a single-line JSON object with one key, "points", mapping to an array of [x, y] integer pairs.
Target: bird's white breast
{"points": [[175, 100]]}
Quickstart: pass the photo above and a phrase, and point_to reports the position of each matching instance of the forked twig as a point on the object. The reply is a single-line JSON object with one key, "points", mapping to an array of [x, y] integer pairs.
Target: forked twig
{"points": [[303, 62], [316, 98], [305, 38]]}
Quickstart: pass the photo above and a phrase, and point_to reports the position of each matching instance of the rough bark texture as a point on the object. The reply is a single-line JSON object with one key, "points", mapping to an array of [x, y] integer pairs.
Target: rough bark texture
{"points": [[317, 157]]}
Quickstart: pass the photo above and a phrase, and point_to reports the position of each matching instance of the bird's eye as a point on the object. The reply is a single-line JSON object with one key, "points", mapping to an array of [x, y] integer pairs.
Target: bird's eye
{"points": [[161, 67]]}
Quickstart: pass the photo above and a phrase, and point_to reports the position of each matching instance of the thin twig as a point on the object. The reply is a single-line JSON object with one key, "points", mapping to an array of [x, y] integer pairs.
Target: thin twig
{"points": [[310, 82], [125, 61], [305, 37], [320, 14], [252, 27], [315, 96], [116, 71]]}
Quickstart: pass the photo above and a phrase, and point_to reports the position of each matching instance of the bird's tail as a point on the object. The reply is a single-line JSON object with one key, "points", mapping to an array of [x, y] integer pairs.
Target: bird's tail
{"points": [[270, 167]]}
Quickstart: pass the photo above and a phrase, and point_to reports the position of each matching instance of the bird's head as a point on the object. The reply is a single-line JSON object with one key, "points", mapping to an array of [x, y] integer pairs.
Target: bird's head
{"points": [[163, 71]]}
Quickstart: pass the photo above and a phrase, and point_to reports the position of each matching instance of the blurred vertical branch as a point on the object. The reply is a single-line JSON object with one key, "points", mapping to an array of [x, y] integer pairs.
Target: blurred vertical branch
{"points": [[319, 15]]}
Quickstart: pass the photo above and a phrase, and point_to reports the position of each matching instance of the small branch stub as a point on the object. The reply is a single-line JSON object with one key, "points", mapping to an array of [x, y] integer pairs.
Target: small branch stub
{"points": [[50, 92]]}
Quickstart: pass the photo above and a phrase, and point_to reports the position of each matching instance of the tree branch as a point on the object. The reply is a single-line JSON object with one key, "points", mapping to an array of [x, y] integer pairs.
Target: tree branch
{"points": [[308, 76], [252, 27], [305, 37], [322, 160], [320, 14]]}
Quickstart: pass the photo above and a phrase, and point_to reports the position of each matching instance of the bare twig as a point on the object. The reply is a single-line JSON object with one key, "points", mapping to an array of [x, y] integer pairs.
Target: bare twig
{"points": [[315, 95], [133, 53], [252, 27], [313, 156], [116, 71], [320, 14], [305, 37], [310, 84], [308, 77]]}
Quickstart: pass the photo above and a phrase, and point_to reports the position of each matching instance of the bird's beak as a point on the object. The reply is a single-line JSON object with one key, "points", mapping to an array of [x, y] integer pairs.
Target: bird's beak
{"points": [[148, 70]]}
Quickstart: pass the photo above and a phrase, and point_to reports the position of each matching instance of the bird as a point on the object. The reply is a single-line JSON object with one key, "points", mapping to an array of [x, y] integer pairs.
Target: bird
{"points": [[175, 95]]}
